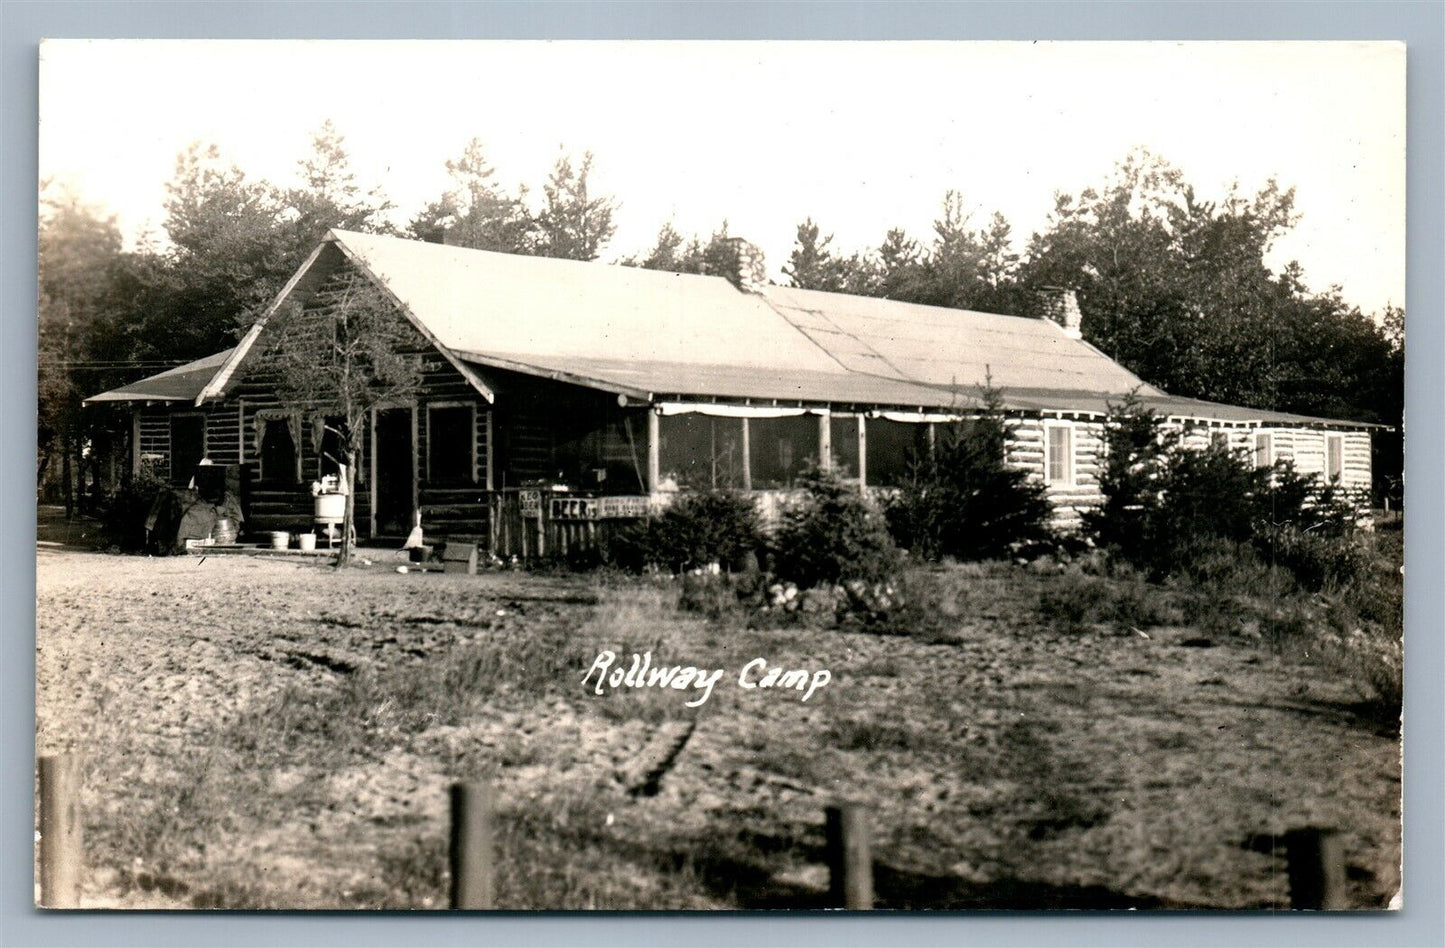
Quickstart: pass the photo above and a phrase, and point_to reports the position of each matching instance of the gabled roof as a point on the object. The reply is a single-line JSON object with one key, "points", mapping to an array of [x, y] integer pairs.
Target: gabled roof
{"points": [[658, 335], [181, 384], [564, 315], [544, 309]]}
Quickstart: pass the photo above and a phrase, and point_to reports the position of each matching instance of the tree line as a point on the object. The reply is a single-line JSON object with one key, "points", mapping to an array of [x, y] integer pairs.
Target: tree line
{"points": [[1174, 287]]}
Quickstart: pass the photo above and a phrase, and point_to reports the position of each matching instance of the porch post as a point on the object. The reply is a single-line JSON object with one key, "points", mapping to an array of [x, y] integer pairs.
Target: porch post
{"points": [[490, 453], [862, 452], [416, 460], [654, 428], [747, 457], [370, 448], [825, 441], [135, 442]]}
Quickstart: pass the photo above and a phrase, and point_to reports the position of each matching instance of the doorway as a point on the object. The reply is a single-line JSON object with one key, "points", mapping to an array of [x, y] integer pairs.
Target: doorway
{"points": [[393, 454]]}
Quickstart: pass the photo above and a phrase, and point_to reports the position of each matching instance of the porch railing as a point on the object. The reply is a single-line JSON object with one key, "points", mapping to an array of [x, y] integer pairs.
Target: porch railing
{"points": [[536, 523]]}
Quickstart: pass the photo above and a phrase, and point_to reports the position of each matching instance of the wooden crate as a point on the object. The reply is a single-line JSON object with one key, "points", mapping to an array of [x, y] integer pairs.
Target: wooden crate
{"points": [[460, 558]]}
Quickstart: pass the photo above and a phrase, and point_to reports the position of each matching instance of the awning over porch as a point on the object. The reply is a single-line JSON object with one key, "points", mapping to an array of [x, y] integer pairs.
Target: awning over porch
{"points": [[181, 384]]}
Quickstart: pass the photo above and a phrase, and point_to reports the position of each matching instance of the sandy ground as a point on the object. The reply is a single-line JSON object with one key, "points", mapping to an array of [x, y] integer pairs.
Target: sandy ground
{"points": [[1009, 768]]}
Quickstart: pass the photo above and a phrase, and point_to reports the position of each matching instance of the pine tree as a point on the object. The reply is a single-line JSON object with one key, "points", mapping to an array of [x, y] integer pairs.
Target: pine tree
{"points": [[575, 223], [340, 361], [812, 266], [477, 212], [231, 251], [329, 196], [963, 499]]}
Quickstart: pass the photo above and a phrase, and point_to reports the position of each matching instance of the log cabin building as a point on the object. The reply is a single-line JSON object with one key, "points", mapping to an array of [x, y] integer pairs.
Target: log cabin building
{"points": [[559, 396]]}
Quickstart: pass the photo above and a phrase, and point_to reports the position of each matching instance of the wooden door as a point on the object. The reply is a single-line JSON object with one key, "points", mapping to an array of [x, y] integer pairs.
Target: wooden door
{"points": [[393, 452]]}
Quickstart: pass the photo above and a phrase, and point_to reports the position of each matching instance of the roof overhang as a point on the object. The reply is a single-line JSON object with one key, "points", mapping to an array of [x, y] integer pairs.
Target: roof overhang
{"points": [[309, 274], [117, 395], [180, 384]]}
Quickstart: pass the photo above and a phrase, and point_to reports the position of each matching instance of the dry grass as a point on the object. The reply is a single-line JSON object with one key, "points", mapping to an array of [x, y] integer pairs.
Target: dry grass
{"points": [[266, 735]]}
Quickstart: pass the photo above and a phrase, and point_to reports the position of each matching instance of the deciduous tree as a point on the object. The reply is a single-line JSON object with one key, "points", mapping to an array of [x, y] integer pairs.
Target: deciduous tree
{"points": [[338, 361], [228, 245], [79, 251]]}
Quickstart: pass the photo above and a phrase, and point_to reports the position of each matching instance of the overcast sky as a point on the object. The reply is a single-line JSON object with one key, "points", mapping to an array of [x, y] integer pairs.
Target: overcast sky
{"points": [[861, 137]]}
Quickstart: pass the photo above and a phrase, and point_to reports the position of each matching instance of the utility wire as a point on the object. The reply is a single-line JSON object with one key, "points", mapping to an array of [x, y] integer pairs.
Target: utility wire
{"points": [[122, 363]]}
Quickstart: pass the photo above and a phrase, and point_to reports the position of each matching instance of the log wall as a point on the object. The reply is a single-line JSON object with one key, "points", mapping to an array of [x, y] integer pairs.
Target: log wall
{"points": [[285, 503], [1306, 448], [539, 430], [1026, 448]]}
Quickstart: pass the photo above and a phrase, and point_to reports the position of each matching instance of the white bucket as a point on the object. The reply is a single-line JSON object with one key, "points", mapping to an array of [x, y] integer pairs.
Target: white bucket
{"points": [[306, 542], [280, 540]]}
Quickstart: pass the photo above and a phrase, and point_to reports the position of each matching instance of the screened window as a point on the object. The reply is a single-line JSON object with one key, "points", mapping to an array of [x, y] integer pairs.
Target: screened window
{"points": [[1334, 456], [779, 447], [450, 443], [1059, 467], [188, 446], [700, 452], [279, 459], [843, 432], [624, 455], [1219, 440], [892, 447], [1263, 449]]}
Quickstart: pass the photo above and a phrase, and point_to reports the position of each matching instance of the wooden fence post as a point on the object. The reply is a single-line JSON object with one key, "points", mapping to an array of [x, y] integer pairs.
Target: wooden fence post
{"points": [[61, 838], [850, 857], [1316, 869], [472, 857]]}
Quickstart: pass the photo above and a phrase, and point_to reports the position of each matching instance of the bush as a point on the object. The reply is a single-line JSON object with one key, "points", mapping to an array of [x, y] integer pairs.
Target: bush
{"points": [[1378, 596], [915, 604], [832, 536], [695, 531], [963, 499], [1225, 566], [1302, 501], [718, 595], [124, 519], [1078, 600], [1173, 510], [1214, 492], [1381, 666], [1318, 561], [1369, 657]]}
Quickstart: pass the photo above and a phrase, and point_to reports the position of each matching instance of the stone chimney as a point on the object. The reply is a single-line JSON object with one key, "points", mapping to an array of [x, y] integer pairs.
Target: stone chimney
{"points": [[441, 233], [1061, 304], [745, 269]]}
